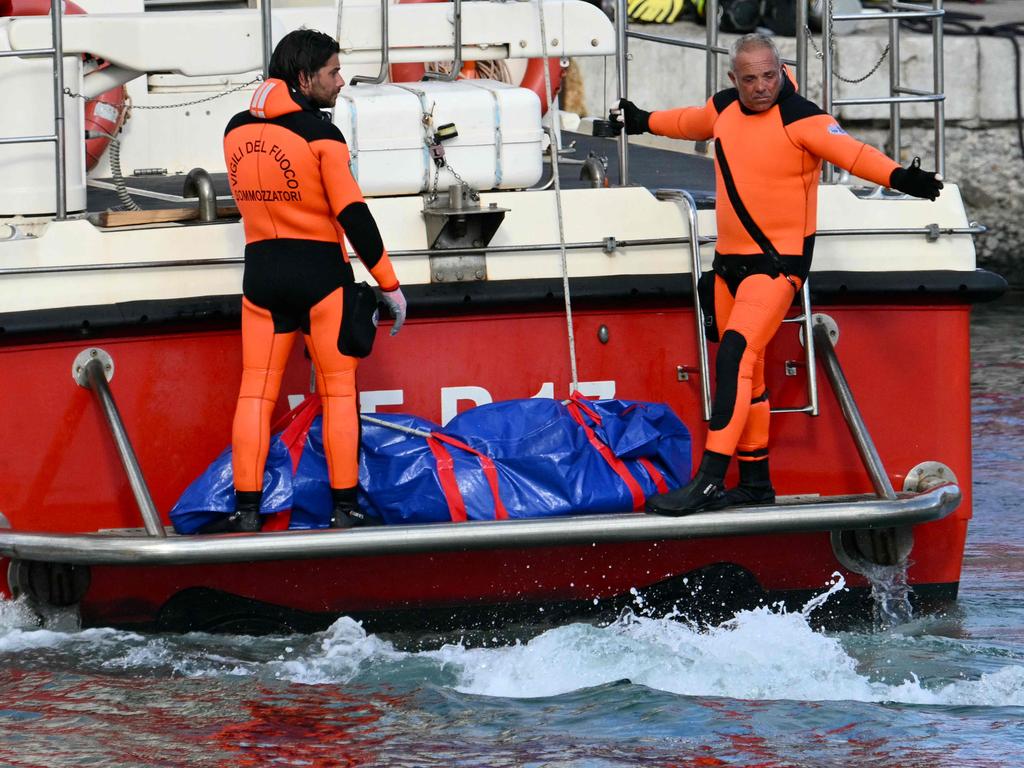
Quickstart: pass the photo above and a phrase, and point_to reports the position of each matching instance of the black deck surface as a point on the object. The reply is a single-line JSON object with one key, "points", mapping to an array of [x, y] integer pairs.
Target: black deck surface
{"points": [[648, 167]]}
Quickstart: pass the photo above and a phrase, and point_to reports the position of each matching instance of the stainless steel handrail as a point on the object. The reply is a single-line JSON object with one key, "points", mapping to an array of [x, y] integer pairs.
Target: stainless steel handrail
{"points": [[858, 430], [56, 27], [52, 137], [685, 201], [849, 513], [456, 50], [804, 318], [680, 43], [385, 53], [57, 138], [622, 74], [591, 245], [93, 375]]}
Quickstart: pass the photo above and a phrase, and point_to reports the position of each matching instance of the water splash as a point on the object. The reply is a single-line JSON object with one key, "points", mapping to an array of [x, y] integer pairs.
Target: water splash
{"points": [[890, 593], [763, 654]]}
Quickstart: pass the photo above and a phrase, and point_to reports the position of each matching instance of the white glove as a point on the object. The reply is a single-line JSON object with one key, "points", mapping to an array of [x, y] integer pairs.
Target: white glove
{"points": [[395, 301]]}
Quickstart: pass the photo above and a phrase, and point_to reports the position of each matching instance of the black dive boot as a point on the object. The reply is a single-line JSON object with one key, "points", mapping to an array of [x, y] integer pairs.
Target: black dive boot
{"points": [[246, 518], [346, 512], [702, 492], [755, 486]]}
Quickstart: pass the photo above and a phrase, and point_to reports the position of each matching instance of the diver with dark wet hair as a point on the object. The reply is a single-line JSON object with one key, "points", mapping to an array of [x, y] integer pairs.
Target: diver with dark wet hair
{"points": [[288, 166], [769, 146]]}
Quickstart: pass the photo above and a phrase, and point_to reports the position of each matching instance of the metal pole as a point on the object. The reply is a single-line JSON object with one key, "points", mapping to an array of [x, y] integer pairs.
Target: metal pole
{"points": [[268, 41], [801, 45], [60, 148], [858, 430], [812, 372], [622, 71], [385, 55], [711, 57], [826, 76], [457, 63], [93, 376], [686, 202], [895, 138], [939, 85]]}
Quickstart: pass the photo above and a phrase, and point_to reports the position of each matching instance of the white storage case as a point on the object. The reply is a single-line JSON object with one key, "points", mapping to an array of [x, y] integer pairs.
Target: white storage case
{"points": [[498, 146]]}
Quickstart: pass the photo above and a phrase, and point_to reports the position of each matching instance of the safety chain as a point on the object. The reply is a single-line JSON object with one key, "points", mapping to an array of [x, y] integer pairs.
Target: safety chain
{"points": [[258, 78], [473, 194], [853, 81], [439, 159], [832, 49]]}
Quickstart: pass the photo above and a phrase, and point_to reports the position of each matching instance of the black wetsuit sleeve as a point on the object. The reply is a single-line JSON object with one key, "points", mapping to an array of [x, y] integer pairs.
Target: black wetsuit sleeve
{"points": [[362, 232]]}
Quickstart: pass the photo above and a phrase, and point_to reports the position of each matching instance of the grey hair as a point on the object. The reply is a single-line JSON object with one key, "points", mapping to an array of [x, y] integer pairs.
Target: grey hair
{"points": [[748, 42]]}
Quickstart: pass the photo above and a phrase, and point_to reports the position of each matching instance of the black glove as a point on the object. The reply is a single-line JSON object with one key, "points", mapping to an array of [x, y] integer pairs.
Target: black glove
{"points": [[913, 181], [631, 116]]}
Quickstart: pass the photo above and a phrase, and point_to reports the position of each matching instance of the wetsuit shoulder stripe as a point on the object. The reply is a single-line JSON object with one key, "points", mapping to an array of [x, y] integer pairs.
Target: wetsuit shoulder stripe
{"points": [[796, 107], [723, 99]]}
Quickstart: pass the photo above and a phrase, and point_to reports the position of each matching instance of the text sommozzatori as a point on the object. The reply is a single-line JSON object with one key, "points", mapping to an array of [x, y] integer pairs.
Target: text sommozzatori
{"points": [[257, 146]]}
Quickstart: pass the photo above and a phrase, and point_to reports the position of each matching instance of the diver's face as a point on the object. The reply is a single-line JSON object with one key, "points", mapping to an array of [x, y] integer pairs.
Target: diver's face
{"points": [[757, 76], [322, 88]]}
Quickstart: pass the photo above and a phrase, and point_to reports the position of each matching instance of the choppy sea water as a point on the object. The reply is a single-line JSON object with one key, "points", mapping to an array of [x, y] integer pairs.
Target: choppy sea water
{"points": [[763, 689]]}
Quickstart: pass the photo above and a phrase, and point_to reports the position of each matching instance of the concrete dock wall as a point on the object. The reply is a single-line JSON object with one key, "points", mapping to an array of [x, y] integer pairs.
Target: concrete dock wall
{"points": [[983, 155]]}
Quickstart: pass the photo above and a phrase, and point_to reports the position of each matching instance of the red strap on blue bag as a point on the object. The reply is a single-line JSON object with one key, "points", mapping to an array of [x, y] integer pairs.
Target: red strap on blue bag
{"points": [[577, 403], [449, 485], [446, 476], [294, 438]]}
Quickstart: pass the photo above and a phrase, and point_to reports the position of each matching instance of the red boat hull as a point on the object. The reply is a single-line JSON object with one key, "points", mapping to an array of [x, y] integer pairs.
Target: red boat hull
{"points": [[908, 367]]}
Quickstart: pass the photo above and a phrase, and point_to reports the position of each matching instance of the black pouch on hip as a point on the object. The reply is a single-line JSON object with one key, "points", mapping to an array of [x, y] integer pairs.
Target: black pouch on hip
{"points": [[706, 297], [360, 312]]}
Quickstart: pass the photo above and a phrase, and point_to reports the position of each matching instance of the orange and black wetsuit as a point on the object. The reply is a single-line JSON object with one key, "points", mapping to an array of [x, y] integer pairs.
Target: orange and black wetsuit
{"points": [[767, 166], [288, 167]]}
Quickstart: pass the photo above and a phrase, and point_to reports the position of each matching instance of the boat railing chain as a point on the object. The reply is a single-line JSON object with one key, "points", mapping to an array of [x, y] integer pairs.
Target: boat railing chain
{"points": [[93, 368], [689, 207], [826, 352]]}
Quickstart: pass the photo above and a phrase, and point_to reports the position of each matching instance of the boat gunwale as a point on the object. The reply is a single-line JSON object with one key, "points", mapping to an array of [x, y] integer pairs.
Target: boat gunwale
{"points": [[848, 513]]}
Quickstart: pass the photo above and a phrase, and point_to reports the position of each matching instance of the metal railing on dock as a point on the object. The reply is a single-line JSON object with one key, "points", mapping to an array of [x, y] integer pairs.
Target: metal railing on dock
{"points": [[898, 95]]}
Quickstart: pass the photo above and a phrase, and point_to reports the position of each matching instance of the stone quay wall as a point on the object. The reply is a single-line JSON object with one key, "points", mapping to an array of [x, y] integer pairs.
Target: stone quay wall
{"points": [[983, 154]]}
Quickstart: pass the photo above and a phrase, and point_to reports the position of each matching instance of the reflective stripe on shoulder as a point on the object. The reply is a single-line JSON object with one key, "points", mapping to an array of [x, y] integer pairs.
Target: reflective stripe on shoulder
{"points": [[259, 98]]}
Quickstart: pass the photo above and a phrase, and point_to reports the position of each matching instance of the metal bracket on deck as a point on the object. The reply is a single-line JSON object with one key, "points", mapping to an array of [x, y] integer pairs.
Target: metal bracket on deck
{"points": [[86, 356]]}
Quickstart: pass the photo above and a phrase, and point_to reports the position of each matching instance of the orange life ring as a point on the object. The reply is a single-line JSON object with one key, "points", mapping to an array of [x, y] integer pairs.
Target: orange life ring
{"points": [[533, 78], [103, 114]]}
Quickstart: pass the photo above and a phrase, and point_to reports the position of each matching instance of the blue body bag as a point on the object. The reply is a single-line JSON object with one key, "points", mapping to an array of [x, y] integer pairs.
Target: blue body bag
{"points": [[511, 459]]}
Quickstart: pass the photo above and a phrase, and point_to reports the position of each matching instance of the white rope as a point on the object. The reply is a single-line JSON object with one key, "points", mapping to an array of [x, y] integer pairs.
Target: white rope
{"points": [[552, 110], [397, 427]]}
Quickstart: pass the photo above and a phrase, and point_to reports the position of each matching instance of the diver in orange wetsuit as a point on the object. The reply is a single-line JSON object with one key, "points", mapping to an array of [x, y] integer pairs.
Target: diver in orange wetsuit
{"points": [[769, 147], [288, 166]]}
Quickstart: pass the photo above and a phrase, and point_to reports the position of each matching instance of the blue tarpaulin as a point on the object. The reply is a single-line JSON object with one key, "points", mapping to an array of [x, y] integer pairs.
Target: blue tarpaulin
{"points": [[543, 457]]}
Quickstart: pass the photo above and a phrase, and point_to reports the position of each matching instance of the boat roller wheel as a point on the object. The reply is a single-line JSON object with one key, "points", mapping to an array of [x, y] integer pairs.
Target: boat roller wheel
{"points": [[859, 550], [57, 585]]}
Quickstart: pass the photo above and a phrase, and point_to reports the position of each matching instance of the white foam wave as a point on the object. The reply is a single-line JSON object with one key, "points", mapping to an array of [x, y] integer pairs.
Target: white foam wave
{"points": [[344, 651]]}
